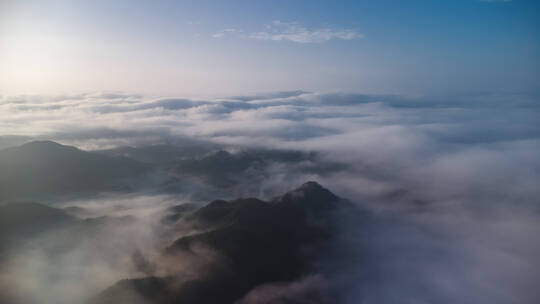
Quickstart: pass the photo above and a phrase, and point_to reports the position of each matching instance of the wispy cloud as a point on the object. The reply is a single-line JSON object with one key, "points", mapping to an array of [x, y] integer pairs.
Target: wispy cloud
{"points": [[227, 31], [292, 31]]}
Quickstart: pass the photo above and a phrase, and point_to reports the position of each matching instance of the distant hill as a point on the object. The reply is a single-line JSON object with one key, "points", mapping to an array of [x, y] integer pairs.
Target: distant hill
{"points": [[259, 242], [163, 153], [7, 141], [224, 169], [148, 154], [206, 164], [23, 219], [41, 169]]}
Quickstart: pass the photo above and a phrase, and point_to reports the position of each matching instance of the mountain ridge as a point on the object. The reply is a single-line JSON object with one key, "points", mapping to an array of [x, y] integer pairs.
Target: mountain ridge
{"points": [[257, 241]]}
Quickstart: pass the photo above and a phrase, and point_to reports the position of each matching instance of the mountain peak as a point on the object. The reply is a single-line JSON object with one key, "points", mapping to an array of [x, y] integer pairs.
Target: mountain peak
{"points": [[44, 146], [41, 143], [37, 149], [311, 186], [310, 192]]}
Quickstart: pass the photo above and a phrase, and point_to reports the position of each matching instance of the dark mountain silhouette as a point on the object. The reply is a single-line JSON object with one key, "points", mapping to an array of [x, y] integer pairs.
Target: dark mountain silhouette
{"points": [[258, 242], [44, 168]]}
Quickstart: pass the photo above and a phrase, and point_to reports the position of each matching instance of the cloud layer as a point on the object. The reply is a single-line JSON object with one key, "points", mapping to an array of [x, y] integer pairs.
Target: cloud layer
{"points": [[455, 178], [465, 145]]}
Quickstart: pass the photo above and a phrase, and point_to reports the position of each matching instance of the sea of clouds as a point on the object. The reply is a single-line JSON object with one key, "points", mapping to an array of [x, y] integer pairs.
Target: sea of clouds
{"points": [[454, 179]]}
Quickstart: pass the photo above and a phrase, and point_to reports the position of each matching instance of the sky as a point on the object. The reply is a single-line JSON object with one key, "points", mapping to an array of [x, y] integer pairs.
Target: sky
{"points": [[220, 48]]}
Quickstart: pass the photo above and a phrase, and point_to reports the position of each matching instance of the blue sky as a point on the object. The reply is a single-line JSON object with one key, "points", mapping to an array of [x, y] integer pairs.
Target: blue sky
{"points": [[193, 48]]}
